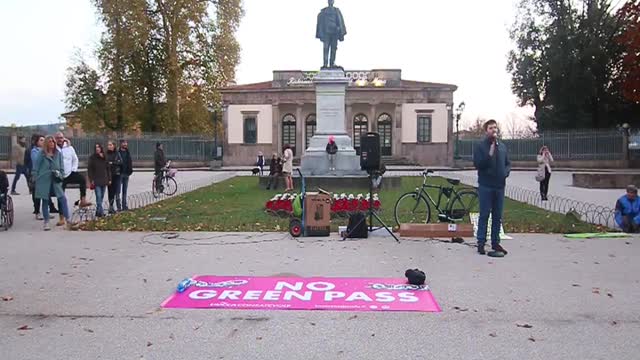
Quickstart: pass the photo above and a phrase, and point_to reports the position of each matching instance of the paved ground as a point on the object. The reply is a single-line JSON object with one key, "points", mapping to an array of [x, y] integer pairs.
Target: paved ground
{"points": [[139, 183], [97, 296]]}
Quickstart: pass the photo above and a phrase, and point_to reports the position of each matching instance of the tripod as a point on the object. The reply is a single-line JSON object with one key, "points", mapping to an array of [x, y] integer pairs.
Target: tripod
{"points": [[371, 214]]}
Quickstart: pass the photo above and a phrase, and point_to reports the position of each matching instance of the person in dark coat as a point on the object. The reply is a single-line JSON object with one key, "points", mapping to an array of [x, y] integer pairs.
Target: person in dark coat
{"points": [[127, 170], [115, 164], [4, 187], [275, 170], [99, 173], [160, 161], [332, 150]]}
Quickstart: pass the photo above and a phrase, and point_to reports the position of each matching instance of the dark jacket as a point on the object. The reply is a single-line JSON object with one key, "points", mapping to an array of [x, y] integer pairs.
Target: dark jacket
{"points": [[159, 160], [28, 163], [492, 170], [4, 182], [273, 166], [626, 207], [332, 148], [330, 22], [127, 164], [115, 163], [99, 170]]}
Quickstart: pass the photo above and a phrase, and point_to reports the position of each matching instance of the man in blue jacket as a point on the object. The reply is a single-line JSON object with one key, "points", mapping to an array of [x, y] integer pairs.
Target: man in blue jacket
{"points": [[492, 161], [628, 211]]}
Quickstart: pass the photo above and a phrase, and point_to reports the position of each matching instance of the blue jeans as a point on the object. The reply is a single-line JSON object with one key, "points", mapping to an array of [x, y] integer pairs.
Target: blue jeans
{"points": [[491, 202], [20, 170], [125, 188], [62, 207], [100, 190]]}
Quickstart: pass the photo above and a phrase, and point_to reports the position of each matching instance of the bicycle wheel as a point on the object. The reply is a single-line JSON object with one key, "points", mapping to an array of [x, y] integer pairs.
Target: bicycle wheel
{"points": [[170, 185], [412, 208], [9, 213], [465, 203]]}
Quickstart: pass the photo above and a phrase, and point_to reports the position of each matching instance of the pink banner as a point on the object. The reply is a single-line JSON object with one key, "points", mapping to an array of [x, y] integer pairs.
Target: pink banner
{"points": [[336, 294]]}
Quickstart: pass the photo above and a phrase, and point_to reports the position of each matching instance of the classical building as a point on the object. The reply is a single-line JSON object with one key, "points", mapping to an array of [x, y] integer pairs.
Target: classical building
{"points": [[414, 119]]}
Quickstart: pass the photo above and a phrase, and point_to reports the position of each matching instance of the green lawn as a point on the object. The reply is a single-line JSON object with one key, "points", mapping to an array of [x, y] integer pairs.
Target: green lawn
{"points": [[238, 205]]}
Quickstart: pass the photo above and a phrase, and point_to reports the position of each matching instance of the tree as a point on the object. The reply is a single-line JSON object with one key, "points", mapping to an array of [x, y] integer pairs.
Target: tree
{"points": [[565, 63], [162, 62], [629, 15]]}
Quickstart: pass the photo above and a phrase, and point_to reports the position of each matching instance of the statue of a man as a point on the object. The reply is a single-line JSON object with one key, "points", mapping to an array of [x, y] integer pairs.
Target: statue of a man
{"points": [[330, 30]]}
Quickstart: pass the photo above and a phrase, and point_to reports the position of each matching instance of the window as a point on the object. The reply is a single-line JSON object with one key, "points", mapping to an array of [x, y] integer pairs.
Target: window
{"points": [[360, 127], [385, 129], [250, 129], [289, 131], [311, 128], [424, 128]]}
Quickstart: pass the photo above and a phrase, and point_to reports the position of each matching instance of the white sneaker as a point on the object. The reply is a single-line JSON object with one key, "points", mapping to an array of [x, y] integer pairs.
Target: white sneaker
{"points": [[46, 227], [39, 217]]}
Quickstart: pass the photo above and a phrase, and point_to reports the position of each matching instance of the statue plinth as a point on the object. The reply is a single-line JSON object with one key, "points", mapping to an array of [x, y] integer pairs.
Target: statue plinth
{"points": [[331, 88]]}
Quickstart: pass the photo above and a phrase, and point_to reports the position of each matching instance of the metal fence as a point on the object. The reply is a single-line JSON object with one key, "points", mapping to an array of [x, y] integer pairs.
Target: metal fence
{"points": [[5, 147], [142, 147], [574, 145]]}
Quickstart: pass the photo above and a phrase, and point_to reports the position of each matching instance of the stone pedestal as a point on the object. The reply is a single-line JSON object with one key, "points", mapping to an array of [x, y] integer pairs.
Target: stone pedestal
{"points": [[331, 86]]}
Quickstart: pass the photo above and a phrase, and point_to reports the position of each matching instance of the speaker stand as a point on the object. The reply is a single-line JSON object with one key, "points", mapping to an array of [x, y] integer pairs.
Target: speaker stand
{"points": [[372, 214]]}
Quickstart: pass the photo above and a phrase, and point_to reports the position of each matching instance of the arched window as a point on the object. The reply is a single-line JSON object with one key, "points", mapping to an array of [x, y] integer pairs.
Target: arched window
{"points": [[289, 131], [311, 125], [385, 129], [360, 127]]}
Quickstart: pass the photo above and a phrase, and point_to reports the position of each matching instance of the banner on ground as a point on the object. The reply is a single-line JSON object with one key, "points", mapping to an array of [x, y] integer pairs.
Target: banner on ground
{"points": [[475, 217], [273, 293]]}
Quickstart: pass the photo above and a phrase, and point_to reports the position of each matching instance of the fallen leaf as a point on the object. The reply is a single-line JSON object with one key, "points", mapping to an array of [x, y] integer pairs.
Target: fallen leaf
{"points": [[493, 335], [313, 324], [25, 327], [532, 339], [610, 295], [7, 298], [259, 338], [460, 309], [614, 323], [149, 343], [373, 335], [353, 317], [172, 337], [576, 285], [526, 326], [144, 280], [596, 291], [197, 327], [88, 330]]}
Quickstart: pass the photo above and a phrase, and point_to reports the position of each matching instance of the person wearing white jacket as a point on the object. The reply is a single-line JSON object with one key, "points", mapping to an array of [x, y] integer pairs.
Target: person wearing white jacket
{"points": [[544, 171], [71, 174]]}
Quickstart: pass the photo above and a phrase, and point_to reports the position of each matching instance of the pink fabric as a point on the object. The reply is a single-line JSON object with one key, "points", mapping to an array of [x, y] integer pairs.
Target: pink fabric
{"points": [[334, 294]]}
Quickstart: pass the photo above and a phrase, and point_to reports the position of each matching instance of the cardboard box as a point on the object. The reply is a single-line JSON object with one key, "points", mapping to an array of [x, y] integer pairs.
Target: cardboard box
{"points": [[441, 230], [317, 218]]}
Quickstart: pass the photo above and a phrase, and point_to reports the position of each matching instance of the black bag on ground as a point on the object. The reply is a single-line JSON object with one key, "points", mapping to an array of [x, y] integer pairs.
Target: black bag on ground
{"points": [[357, 228]]}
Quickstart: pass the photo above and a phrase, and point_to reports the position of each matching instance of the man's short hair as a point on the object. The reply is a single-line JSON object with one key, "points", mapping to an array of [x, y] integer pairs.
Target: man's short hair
{"points": [[632, 189], [489, 122]]}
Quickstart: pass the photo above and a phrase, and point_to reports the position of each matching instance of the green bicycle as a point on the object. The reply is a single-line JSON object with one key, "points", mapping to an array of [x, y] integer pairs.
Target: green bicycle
{"points": [[453, 204]]}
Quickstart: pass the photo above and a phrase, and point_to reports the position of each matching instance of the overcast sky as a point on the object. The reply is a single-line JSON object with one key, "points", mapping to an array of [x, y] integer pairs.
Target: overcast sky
{"points": [[463, 42]]}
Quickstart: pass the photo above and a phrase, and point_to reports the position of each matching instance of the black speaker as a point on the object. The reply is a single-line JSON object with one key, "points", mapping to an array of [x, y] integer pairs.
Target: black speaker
{"points": [[370, 151]]}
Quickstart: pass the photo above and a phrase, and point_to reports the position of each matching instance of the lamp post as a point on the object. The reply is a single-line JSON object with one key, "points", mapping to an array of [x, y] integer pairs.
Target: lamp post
{"points": [[459, 111]]}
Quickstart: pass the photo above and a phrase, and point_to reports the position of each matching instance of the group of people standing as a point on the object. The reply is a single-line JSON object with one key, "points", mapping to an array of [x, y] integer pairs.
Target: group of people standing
{"points": [[51, 164], [279, 166]]}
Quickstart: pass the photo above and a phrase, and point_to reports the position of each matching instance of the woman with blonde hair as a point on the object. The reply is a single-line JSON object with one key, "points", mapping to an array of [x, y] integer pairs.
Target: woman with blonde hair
{"points": [[544, 171], [48, 175]]}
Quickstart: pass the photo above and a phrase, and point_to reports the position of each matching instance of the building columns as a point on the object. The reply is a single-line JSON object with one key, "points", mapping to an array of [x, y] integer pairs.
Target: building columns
{"points": [[348, 121], [373, 121], [397, 131], [299, 132], [276, 132]]}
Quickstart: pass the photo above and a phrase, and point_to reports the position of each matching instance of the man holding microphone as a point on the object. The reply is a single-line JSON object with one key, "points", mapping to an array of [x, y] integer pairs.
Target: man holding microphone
{"points": [[491, 160]]}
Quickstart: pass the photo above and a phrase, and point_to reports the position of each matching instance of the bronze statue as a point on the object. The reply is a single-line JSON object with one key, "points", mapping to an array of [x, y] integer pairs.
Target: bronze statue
{"points": [[330, 30]]}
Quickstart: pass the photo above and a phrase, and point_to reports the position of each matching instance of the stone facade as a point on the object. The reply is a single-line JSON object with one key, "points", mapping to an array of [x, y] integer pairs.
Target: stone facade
{"points": [[414, 119]]}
